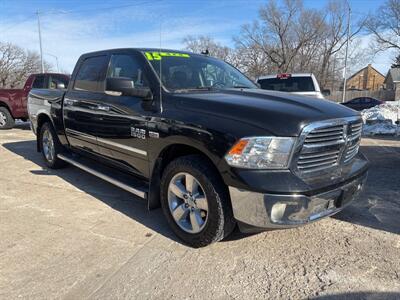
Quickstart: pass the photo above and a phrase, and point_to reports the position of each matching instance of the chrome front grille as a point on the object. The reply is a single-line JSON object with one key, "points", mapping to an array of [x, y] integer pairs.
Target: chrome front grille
{"points": [[353, 141], [326, 145]]}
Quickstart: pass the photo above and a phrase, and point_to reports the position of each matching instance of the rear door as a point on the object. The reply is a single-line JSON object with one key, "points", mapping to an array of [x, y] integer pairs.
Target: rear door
{"points": [[82, 103], [122, 129]]}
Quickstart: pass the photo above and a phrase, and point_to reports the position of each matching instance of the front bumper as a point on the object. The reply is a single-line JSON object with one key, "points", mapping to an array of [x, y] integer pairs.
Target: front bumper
{"points": [[258, 211]]}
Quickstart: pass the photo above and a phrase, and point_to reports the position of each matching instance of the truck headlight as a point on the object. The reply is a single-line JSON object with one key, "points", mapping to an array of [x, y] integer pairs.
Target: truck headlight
{"points": [[261, 153]]}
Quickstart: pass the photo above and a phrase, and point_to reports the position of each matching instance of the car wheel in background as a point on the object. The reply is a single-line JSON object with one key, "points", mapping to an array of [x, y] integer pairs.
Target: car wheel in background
{"points": [[6, 119]]}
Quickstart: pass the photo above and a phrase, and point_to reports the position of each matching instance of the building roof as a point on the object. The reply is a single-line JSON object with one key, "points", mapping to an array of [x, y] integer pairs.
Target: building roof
{"points": [[359, 71], [394, 73]]}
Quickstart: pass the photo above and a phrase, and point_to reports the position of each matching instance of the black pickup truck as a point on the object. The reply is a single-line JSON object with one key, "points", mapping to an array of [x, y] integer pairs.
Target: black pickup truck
{"points": [[191, 133]]}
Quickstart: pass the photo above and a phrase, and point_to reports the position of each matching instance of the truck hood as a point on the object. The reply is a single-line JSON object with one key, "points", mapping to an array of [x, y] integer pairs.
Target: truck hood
{"points": [[280, 114]]}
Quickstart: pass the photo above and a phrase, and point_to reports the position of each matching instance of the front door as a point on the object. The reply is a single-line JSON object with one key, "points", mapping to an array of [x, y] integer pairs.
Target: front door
{"points": [[122, 128]]}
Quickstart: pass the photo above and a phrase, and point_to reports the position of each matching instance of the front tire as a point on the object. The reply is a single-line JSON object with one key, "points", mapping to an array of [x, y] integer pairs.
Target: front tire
{"points": [[196, 202], [6, 119], [50, 147]]}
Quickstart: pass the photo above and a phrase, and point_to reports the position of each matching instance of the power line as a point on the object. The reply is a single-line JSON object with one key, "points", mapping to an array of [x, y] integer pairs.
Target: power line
{"points": [[19, 23], [100, 8], [31, 16]]}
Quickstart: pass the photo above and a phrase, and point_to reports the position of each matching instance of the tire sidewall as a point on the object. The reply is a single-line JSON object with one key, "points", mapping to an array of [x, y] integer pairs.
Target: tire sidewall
{"points": [[215, 221], [10, 122]]}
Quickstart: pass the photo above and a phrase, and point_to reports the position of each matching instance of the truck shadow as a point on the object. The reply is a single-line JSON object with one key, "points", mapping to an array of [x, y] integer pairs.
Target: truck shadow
{"points": [[379, 204], [22, 125], [360, 296], [116, 198]]}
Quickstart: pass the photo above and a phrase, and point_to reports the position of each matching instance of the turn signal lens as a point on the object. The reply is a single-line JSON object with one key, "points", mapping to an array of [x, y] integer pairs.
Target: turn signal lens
{"points": [[238, 147]]}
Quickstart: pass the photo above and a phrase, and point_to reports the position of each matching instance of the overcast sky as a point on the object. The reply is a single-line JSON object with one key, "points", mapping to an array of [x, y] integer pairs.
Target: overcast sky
{"points": [[70, 28]]}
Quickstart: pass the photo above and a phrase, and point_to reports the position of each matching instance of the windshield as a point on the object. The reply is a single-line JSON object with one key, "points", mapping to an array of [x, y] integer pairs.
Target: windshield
{"points": [[291, 84], [183, 71]]}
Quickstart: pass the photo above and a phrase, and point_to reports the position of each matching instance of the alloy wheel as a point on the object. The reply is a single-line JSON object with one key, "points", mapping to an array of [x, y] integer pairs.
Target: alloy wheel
{"points": [[187, 203], [48, 145], [3, 119]]}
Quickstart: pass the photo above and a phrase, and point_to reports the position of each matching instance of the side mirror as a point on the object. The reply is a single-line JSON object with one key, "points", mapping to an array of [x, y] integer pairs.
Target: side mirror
{"points": [[60, 86], [326, 92], [126, 87]]}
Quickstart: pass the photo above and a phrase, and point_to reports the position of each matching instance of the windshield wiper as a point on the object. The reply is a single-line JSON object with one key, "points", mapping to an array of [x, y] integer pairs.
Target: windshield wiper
{"points": [[240, 87], [199, 88]]}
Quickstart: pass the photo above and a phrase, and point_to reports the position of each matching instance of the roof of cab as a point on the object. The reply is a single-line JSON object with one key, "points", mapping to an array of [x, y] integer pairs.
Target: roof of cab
{"points": [[136, 50]]}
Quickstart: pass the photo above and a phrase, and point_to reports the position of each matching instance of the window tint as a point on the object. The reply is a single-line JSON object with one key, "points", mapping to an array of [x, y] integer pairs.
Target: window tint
{"points": [[356, 101], [39, 82], [57, 79], [91, 74], [291, 84], [183, 71], [123, 65]]}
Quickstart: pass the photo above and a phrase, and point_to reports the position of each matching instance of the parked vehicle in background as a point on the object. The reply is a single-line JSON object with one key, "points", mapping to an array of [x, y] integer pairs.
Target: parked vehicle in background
{"points": [[299, 83], [13, 102], [362, 103], [204, 143]]}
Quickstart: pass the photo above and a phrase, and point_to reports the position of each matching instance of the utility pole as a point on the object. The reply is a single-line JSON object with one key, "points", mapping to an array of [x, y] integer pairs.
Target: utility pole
{"points": [[40, 43], [346, 53], [56, 58]]}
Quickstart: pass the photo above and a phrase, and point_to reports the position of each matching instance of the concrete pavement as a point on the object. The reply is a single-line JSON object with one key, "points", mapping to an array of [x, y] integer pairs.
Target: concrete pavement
{"points": [[66, 234]]}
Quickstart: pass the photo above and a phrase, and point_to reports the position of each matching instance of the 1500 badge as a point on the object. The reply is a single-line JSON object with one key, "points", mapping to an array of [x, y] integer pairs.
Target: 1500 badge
{"points": [[138, 133]]}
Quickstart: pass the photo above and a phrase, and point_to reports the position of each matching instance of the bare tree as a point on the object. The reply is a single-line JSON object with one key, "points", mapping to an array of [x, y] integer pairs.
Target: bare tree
{"points": [[385, 26], [396, 62], [198, 44], [17, 64]]}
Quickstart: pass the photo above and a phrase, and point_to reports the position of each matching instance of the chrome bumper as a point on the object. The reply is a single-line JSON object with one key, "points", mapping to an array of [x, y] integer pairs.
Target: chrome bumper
{"points": [[272, 211]]}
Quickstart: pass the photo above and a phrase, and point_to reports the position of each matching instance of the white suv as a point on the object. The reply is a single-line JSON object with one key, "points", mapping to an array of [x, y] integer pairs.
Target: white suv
{"points": [[300, 83]]}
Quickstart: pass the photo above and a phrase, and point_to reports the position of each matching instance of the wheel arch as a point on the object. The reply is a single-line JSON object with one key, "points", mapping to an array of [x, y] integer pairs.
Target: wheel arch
{"points": [[4, 104], [166, 155]]}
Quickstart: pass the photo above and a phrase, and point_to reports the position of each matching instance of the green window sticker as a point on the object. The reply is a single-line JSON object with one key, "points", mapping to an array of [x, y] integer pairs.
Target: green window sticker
{"points": [[159, 55]]}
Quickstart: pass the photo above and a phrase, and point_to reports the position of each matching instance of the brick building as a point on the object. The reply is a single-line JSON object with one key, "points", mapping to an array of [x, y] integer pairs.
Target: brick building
{"points": [[392, 81], [367, 78]]}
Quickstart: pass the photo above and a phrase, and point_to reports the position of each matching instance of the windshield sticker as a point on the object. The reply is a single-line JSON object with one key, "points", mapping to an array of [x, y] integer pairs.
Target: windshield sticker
{"points": [[159, 55]]}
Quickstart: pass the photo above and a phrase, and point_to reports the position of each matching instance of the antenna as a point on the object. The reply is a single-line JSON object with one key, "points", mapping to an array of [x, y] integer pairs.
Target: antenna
{"points": [[161, 102]]}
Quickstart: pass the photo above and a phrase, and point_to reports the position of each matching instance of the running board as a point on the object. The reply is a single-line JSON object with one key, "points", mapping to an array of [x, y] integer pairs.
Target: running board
{"points": [[84, 165]]}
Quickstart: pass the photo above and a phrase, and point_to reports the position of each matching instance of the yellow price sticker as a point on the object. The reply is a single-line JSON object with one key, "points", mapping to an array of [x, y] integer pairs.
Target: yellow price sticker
{"points": [[159, 55]]}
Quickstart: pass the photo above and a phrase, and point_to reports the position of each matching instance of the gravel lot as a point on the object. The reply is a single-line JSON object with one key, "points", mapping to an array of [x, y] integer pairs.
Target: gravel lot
{"points": [[66, 234]]}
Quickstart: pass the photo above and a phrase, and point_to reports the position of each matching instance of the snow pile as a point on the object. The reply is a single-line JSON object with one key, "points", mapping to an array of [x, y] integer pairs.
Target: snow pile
{"points": [[381, 119]]}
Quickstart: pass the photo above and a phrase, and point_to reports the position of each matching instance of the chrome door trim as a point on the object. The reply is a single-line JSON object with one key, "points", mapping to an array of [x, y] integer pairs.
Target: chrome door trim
{"points": [[81, 134], [117, 145]]}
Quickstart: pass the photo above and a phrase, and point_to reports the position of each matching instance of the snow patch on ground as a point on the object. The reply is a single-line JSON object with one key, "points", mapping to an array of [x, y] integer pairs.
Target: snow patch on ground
{"points": [[381, 119]]}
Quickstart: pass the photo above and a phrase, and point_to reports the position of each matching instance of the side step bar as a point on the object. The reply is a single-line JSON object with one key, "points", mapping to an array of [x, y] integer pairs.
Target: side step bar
{"points": [[138, 192]]}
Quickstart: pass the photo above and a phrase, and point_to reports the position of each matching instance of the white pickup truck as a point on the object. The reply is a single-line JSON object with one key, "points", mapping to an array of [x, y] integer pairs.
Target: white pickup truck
{"points": [[300, 83]]}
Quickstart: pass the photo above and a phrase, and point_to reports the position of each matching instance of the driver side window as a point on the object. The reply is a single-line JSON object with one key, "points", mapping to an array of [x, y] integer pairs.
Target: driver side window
{"points": [[126, 66]]}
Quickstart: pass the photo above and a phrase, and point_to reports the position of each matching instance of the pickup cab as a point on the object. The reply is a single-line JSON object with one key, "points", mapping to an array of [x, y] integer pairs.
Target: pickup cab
{"points": [[13, 102], [298, 83], [192, 134]]}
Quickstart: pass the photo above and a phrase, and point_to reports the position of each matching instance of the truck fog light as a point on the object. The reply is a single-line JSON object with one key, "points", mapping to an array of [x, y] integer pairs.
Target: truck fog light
{"points": [[277, 212]]}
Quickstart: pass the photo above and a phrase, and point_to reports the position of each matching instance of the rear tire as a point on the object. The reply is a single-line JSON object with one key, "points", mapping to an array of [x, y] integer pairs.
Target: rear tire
{"points": [[50, 147], [6, 119], [195, 201]]}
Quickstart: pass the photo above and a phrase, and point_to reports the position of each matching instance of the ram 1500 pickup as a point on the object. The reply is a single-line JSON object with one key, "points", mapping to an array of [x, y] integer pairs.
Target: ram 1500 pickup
{"points": [[192, 134], [13, 101]]}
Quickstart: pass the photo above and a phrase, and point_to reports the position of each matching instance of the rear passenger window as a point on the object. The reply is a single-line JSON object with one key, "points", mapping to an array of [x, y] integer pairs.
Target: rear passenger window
{"points": [[39, 82], [123, 65], [91, 74]]}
